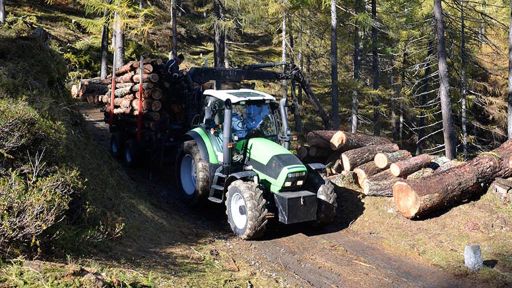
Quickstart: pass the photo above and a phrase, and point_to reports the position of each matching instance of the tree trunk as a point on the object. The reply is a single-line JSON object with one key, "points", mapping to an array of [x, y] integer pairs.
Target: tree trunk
{"points": [[2, 11], [174, 29], [384, 160], [423, 99], [347, 141], [411, 165], [119, 44], [300, 59], [375, 70], [320, 138], [283, 52], [366, 171], [220, 40], [463, 82], [334, 69], [357, 67], [444, 86], [509, 115], [104, 50], [353, 158], [418, 198]]}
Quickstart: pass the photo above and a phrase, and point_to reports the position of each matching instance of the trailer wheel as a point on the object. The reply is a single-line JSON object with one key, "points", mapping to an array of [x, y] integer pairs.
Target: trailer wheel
{"points": [[116, 145], [246, 209], [131, 153], [327, 204], [194, 174]]}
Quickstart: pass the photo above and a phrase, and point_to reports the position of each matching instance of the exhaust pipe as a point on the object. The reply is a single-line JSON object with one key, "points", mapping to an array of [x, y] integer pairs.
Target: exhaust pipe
{"points": [[226, 136], [285, 137]]}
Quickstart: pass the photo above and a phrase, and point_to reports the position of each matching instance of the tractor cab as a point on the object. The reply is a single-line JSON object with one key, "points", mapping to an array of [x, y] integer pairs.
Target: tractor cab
{"points": [[239, 156]]}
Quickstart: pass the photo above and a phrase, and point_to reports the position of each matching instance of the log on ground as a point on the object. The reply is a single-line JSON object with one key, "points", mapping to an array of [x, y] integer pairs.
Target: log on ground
{"points": [[347, 141], [385, 159], [419, 198], [353, 158], [411, 165], [320, 138], [365, 171]]}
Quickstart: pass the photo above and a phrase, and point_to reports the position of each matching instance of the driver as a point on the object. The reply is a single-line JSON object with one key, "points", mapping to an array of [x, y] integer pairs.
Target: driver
{"points": [[239, 127]]}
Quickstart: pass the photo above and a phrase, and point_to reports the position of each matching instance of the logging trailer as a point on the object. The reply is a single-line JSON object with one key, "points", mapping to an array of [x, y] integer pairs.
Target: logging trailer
{"points": [[235, 151]]}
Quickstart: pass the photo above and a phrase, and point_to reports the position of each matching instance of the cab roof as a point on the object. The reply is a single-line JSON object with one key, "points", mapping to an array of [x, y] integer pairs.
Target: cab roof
{"points": [[239, 95]]}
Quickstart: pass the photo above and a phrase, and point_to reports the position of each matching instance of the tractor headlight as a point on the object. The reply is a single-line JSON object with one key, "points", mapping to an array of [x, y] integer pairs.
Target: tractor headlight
{"points": [[295, 179]]}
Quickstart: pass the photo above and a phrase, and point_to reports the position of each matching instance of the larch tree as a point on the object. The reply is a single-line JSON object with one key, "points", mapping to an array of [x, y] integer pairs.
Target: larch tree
{"points": [[283, 49], [359, 7], [335, 117], [104, 44], [375, 69], [444, 86], [463, 94], [174, 50], [220, 36], [119, 40]]}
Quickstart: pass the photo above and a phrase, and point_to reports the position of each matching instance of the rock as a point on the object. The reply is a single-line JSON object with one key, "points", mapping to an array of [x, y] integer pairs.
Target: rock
{"points": [[473, 258]]}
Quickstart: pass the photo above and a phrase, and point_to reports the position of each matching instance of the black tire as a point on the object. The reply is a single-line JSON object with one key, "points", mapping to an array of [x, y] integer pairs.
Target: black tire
{"points": [[251, 204], [131, 155], [194, 186], [116, 145], [327, 204]]}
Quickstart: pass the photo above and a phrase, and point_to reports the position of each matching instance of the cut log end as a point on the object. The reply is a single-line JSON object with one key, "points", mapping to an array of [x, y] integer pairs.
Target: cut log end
{"points": [[381, 160], [406, 200], [337, 140], [395, 170], [346, 163]]}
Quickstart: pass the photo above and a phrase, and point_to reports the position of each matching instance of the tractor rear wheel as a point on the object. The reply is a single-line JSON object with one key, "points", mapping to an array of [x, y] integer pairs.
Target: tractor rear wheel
{"points": [[131, 153], [327, 204], [193, 174], [116, 145], [246, 209]]}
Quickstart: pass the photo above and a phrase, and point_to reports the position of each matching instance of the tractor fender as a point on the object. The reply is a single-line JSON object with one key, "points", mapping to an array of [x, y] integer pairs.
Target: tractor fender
{"points": [[316, 166], [192, 135], [239, 176]]}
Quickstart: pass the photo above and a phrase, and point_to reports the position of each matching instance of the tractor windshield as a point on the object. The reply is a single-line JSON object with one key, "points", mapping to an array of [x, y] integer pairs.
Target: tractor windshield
{"points": [[254, 118]]}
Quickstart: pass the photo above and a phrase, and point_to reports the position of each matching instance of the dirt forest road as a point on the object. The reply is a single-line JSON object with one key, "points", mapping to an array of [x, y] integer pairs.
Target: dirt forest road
{"points": [[302, 255]]}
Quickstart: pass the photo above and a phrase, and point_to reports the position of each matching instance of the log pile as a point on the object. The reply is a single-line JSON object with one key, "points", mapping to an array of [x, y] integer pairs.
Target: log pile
{"points": [[376, 163]]}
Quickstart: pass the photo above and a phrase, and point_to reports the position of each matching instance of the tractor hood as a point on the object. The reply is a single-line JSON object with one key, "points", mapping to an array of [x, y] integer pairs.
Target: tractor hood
{"points": [[275, 164]]}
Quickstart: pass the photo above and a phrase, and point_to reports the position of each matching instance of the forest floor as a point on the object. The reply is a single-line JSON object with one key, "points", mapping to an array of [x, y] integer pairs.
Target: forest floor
{"points": [[368, 246]]}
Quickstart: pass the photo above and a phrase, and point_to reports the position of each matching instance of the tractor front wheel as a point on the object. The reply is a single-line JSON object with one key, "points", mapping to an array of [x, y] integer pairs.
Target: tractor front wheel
{"points": [[327, 204], [246, 209], [193, 174]]}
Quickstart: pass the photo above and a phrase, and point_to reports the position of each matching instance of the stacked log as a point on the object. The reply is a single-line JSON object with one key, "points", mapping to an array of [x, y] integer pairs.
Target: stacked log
{"points": [[411, 165], [359, 156], [421, 197], [127, 95]]}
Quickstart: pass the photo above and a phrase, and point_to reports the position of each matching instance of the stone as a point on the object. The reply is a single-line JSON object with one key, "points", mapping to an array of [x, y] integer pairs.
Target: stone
{"points": [[473, 257]]}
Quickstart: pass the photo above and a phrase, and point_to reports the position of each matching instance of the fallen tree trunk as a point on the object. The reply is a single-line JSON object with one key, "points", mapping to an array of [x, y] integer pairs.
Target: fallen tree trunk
{"points": [[382, 188], [418, 198], [385, 159], [365, 171], [347, 141], [320, 138], [359, 156], [411, 165]]}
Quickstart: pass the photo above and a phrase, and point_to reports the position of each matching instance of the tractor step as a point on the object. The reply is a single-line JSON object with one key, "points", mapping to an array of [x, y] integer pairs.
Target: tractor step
{"points": [[217, 187], [215, 200]]}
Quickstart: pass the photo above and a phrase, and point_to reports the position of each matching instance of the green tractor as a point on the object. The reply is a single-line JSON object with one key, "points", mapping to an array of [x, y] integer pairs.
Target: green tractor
{"points": [[239, 155]]}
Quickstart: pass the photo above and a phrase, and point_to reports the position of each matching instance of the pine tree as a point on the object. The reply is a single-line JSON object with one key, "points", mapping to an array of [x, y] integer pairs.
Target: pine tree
{"points": [[334, 68], [444, 86]]}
